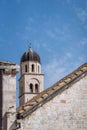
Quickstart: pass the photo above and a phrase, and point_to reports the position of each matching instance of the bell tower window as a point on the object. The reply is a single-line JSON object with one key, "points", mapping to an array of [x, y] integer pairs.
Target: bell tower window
{"points": [[32, 68], [31, 88], [36, 88], [25, 68]]}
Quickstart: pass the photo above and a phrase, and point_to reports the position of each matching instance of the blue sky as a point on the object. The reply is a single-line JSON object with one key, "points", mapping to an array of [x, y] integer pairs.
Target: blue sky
{"points": [[57, 30]]}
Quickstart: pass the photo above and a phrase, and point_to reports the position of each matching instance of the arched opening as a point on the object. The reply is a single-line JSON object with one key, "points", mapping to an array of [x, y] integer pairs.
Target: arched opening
{"points": [[32, 68], [31, 88], [25, 68], [36, 88]]}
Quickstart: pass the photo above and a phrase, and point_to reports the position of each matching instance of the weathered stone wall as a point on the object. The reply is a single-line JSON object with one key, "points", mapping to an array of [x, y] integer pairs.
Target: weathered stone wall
{"points": [[0, 99], [67, 111], [9, 100], [7, 94]]}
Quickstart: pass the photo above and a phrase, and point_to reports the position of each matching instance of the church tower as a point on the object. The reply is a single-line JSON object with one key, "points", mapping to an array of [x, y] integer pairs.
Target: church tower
{"points": [[31, 80]]}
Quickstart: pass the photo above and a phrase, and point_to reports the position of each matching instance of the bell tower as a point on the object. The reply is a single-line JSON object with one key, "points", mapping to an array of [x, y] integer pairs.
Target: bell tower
{"points": [[31, 80]]}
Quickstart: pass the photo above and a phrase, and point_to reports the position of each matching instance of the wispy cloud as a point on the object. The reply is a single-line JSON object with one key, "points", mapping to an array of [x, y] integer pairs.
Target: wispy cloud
{"points": [[81, 58], [58, 32], [56, 68], [29, 25], [53, 71], [81, 14], [68, 55], [18, 1], [68, 1], [83, 41], [2, 41]]}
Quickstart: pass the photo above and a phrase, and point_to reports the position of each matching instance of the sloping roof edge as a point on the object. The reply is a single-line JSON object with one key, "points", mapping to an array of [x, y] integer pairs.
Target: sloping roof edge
{"points": [[51, 92]]}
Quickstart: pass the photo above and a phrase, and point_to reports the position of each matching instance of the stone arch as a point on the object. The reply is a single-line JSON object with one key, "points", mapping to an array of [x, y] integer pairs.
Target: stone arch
{"points": [[35, 85]]}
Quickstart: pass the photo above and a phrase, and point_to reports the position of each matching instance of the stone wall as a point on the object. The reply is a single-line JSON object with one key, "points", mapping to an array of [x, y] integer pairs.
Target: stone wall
{"points": [[7, 94], [9, 99], [67, 111], [0, 99]]}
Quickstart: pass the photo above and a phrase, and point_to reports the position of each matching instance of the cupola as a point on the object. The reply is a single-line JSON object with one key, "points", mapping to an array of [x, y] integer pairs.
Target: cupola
{"points": [[30, 55]]}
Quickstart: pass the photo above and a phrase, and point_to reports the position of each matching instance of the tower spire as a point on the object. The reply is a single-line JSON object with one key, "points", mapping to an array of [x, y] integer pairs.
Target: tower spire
{"points": [[30, 46]]}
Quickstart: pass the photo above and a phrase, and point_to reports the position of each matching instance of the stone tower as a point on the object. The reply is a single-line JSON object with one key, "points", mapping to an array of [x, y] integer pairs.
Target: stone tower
{"points": [[7, 94], [31, 80]]}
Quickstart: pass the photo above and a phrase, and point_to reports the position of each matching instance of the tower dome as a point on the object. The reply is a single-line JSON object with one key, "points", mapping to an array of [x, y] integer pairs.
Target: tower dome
{"points": [[30, 55]]}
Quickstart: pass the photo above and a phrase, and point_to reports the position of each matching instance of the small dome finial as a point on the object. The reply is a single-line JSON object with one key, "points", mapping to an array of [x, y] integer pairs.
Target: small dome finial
{"points": [[30, 48]]}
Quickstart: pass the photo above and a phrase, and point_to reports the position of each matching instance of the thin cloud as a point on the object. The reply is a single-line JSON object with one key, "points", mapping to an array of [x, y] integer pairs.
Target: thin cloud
{"points": [[51, 34], [53, 71], [18, 1], [57, 68], [81, 58], [30, 23], [68, 1], [82, 15], [2, 40], [58, 33], [68, 54], [83, 41]]}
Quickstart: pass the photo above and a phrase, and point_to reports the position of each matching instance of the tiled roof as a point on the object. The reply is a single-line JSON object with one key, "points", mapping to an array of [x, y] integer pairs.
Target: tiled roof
{"points": [[51, 92]]}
